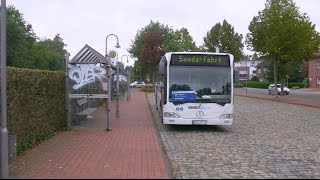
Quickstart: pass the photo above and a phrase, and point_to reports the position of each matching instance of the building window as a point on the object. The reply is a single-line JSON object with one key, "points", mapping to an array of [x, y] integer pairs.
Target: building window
{"points": [[318, 64], [318, 80]]}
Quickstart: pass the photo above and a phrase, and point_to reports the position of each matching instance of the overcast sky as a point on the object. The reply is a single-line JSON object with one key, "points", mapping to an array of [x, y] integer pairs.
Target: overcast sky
{"points": [[81, 22]]}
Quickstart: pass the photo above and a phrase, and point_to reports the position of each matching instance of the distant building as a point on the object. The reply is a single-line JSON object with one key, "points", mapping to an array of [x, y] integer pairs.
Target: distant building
{"points": [[310, 68], [247, 68], [262, 71], [314, 71]]}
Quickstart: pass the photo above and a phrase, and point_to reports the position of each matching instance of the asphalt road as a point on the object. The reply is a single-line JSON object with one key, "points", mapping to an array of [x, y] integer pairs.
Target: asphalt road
{"points": [[305, 93]]}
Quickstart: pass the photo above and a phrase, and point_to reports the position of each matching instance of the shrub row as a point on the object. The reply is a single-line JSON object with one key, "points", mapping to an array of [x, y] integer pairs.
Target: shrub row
{"points": [[149, 89], [35, 105], [300, 85]]}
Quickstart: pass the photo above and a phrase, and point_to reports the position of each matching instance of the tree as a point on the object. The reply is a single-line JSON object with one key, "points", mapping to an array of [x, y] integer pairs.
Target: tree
{"points": [[224, 37], [52, 54], [292, 69], [283, 34], [152, 41], [182, 42], [162, 34], [152, 49], [255, 56], [25, 50], [20, 39], [164, 31]]}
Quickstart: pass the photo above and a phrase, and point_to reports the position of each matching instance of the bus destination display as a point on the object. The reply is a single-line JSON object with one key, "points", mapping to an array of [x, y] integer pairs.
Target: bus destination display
{"points": [[200, 59]]}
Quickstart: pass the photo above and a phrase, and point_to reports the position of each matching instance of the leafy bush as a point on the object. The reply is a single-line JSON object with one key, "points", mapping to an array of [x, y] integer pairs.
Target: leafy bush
{"points": [[35, 105], [149, 89], [238, 85], [254, 78], [256, 84], [300, 85]]}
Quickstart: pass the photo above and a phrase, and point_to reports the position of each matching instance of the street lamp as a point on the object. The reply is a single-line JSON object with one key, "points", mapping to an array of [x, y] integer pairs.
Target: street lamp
{"points": [[117, 45], [109, 86], [4, 172], [125, 56]]}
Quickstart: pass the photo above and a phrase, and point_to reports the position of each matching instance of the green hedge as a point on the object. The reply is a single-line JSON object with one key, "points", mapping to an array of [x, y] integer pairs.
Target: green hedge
{"points": [[238, 85], [256, 84], [149, 89], [35, 105], [300, 85]]}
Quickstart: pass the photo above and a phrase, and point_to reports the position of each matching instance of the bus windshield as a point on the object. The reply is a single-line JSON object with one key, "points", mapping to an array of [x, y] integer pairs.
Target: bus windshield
{"points": [[199, 84]]}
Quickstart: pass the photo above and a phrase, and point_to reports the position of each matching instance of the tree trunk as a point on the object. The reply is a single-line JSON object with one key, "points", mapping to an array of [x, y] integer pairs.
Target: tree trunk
{"points": [[282, 84], [275, 77]]}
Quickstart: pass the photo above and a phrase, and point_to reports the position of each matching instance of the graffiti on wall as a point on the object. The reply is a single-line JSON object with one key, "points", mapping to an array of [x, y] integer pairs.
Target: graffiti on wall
{"points": [[84, 74], [121, 78]]}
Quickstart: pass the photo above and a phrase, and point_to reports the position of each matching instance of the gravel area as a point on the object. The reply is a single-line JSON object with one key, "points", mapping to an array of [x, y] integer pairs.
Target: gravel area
{"points": [[267, 140]]}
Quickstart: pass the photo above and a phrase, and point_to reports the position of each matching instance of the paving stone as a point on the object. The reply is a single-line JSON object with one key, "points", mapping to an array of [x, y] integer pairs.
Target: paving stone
{"points": [[268, 139]]}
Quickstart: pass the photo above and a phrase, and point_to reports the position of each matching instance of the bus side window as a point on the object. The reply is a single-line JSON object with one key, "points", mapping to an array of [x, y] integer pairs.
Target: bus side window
{"points": [[165, 85]]}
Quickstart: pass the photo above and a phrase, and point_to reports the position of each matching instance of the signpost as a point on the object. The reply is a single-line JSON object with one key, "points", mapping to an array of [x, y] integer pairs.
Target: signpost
{"points": [[112, 54]]}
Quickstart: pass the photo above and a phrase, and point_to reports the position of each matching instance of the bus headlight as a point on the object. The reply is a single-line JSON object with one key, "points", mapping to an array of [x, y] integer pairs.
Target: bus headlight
{"points": [[170, 115], [226, 116]]}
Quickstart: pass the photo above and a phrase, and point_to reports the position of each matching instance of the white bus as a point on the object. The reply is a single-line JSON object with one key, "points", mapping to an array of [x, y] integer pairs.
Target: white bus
{"points": [[195, 88]]}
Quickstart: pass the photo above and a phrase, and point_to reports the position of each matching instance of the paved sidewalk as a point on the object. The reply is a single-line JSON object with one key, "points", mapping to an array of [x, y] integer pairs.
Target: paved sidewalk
{"points": [[285, 98], [130, 150]]}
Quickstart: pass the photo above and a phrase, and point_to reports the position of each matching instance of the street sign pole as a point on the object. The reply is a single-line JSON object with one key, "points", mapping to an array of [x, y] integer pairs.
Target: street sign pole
{"points": [[114, 57]]}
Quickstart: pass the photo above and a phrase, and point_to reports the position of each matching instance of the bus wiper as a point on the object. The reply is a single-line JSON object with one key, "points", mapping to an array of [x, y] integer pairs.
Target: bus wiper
{"points": [[177, 103], [221, 103]]}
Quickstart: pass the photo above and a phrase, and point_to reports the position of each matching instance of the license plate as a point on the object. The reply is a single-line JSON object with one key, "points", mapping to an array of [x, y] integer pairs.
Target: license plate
{"points": [[199, 122]]}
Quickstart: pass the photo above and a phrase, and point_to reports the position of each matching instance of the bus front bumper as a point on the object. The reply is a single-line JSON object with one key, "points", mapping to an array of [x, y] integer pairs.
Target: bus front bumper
{"points": [[179, 121]]}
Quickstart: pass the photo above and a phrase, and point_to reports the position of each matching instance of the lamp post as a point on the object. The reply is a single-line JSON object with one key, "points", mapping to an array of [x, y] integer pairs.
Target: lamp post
{"points": [[4, 174], [128, 84], [109, 77], [117, 89], [125, 56]]}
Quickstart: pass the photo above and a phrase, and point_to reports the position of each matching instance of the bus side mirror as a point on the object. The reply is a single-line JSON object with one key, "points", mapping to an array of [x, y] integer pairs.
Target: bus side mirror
{"points": [[161, 68], [235, 76]]}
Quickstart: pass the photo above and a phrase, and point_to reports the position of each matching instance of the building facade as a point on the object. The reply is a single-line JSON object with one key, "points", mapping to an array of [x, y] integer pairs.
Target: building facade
{"points": [[262, 71], [247, 68], [314, 71]]}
